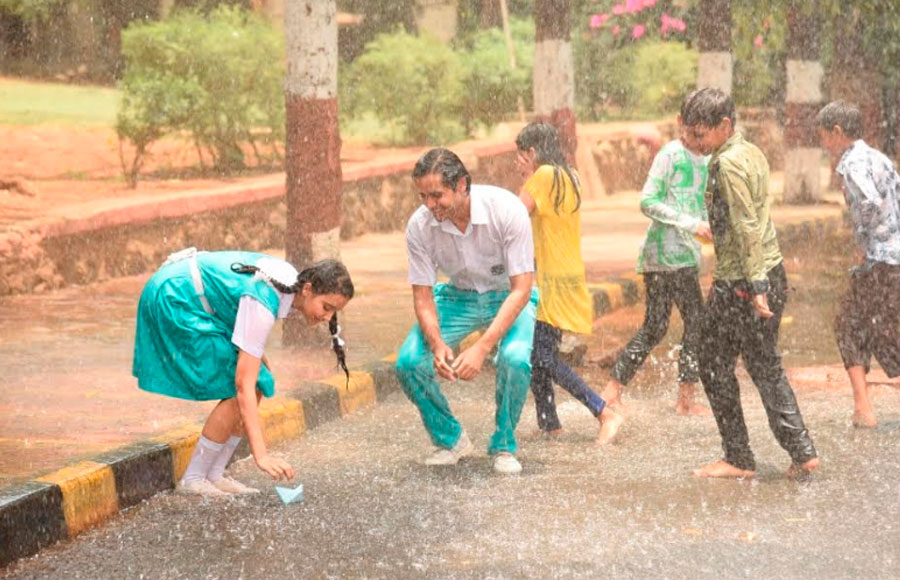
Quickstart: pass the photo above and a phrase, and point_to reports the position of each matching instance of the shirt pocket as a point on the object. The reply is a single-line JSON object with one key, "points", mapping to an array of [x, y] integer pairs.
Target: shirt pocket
{"points": [[491, 254]]}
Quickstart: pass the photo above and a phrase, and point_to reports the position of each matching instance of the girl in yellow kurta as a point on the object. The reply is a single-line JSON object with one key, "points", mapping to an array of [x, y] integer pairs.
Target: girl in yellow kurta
{"points": [[553, 198]]}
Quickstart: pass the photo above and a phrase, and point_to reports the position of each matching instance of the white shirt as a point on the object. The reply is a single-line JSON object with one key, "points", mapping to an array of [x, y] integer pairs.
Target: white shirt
{"points": [[497, 243], [872, 193], [254, 322]]}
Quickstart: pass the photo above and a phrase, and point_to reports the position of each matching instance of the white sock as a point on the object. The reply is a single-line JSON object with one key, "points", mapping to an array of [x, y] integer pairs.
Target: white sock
{"points": [[217, 469], [205, 453]]}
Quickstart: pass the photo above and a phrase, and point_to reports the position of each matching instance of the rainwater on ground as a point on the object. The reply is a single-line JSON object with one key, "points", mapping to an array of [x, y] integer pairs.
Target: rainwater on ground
{"points": [[66, 391], [631, 510]]}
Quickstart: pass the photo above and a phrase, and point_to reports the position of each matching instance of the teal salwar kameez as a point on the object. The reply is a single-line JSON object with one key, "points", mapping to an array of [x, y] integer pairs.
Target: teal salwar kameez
{"points": [[183, 350]]}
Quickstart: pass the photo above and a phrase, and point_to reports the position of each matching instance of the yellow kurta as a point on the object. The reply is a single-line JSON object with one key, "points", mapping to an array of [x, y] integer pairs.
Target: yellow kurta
{"points": [[564, 298]]}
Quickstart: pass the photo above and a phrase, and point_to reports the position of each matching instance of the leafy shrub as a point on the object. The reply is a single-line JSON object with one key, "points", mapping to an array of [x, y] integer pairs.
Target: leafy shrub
{"points": [[411, 83], [607, 36], [216, 78], [661, 75], [758, 44], [491, 87]]}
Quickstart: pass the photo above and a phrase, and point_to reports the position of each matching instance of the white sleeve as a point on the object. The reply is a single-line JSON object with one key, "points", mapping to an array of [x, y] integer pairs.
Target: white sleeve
{"points": [[518, 242], [422, 269], [252, 326]]}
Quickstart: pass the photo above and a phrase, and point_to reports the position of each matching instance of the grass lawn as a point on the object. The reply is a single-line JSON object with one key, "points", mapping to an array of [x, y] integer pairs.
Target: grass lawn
{"points": [[36, 103]]}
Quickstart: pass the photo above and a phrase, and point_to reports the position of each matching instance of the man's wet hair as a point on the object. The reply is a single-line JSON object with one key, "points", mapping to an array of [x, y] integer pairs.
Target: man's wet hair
{"points": [[707, 107], [443, 162], [842, 114]]}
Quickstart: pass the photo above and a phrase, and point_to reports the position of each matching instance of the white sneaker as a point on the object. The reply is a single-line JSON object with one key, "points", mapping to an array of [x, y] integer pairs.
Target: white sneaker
{"points": [[507, 464], [445, 456], [229, 485], [200, 487]]}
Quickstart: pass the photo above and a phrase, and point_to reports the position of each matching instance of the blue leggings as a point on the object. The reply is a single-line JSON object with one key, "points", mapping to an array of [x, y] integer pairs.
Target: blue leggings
{"points": [[549, 369], [460, 312]]}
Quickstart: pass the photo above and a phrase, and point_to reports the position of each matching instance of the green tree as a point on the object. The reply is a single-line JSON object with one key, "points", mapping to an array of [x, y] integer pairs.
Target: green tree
{"points": [[411, 83]]}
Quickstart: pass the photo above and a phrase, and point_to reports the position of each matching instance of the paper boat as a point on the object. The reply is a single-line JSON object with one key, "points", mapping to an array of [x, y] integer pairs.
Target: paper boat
{"points": [[289, 495]]}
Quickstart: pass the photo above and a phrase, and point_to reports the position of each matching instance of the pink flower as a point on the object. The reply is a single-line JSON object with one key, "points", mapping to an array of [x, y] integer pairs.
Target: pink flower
{"points": [[598, 20], [758, 41], [669, 23], [634, 5], [637, 31], [616, 30], [618, 9], [649, 3]]}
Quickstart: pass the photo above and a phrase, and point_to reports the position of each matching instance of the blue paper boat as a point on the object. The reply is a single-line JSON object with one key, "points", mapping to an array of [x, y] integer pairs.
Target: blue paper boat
{"points": [[289, 495]]}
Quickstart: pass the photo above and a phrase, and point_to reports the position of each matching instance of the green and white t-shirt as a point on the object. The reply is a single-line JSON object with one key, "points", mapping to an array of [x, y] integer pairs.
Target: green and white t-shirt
{"points": [[673, 199]]}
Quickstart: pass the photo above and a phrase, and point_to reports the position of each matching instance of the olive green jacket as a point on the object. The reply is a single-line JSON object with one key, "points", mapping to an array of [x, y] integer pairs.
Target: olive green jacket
{"points": [[738, 202]]}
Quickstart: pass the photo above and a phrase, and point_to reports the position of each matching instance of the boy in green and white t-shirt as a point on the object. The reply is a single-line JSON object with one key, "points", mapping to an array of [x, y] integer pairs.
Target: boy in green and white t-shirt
{"points": [[670, 262]]}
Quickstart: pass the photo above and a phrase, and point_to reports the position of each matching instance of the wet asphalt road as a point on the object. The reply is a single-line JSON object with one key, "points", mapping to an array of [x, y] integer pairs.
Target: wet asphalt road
{"points": [[632, 510], [372, 510]]}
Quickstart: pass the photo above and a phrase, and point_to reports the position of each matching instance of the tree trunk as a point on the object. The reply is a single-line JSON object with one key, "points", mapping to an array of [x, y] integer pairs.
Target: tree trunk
{"points": [[803, 100], [554, 70], [854, 78], [715, 66], [313, 144], [490, 15]]}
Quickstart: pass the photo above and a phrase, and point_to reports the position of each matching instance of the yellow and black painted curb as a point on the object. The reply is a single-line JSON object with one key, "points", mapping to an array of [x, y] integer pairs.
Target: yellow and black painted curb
{"points": [[60, 505], [617, 293]]}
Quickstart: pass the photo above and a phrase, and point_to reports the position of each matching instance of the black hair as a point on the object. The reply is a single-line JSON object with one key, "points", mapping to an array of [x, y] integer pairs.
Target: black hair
{"points": [[325, 277], [544, 139], [845, 115], [707, 107], [445, 163], [684, 103]]}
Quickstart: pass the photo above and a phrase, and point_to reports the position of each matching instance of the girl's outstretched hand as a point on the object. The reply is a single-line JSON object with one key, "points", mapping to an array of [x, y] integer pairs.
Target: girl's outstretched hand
{"points": [[277, 467]]}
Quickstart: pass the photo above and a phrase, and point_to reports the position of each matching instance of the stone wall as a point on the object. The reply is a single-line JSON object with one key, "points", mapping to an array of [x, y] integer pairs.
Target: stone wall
{"points": [[376, 198]]}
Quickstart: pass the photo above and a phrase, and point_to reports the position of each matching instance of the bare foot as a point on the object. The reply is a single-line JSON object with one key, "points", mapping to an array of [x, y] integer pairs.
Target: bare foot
{"points": [[610, 422], [864, 419], [612, 395], [682, 408], [685, 404], [803, 470], [723, 469]]}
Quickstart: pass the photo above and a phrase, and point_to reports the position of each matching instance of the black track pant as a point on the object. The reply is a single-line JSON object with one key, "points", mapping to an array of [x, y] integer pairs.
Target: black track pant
{"points": [[731, 328], [681, 287]]}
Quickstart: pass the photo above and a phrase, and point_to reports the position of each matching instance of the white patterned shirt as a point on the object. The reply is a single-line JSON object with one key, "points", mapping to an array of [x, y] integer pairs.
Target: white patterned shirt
{"points": [[872, 193]]}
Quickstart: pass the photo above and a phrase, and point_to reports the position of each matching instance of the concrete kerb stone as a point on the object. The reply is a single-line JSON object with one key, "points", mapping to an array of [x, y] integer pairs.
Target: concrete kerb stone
{"points": [[809, 230], [59, 505], [64, 503], [31, 518]]}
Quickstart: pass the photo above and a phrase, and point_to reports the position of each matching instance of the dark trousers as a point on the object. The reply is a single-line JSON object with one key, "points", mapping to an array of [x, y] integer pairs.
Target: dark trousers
{"points": [[547, 368], [681, 287], [731, 328], [868, 323]]}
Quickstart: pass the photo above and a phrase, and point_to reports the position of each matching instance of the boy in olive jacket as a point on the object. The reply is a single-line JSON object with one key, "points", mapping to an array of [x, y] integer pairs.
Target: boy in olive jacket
{"points": [[745, 304]]}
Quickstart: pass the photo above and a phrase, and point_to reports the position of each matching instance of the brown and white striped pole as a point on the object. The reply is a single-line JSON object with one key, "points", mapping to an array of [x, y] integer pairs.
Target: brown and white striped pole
{"points": [[313, 148], [715, 65], [803, 99], [554, 69]]}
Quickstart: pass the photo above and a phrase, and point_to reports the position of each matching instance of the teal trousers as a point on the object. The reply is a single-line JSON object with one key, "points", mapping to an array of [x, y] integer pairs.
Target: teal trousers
{"points": [[461, 312]]}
